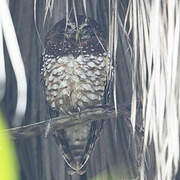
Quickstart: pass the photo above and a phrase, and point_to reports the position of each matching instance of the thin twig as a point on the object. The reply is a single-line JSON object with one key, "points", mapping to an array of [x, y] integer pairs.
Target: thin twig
{"points": [[98, 113]]}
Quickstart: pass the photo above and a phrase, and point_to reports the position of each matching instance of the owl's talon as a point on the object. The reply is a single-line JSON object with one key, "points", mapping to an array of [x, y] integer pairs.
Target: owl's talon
{"points": [[47, 130], [79, 112], [78, 108]]}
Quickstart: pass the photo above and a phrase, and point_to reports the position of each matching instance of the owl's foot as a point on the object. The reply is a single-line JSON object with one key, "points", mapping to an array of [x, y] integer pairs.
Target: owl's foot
{"points": [[48, 128], [79, 111]]}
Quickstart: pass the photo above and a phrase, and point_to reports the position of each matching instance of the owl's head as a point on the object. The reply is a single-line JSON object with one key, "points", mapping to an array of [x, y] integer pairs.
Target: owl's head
{"points": [[77, 36], [84, 29]]}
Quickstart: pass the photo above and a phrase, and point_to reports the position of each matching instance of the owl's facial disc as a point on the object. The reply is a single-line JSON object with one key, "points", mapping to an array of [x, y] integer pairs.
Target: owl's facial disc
{"points": [[82, 32]]}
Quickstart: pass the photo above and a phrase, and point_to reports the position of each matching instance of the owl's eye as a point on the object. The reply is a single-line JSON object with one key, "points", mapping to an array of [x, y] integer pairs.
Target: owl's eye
{"points": [[86, 32], [86, 29], [69, 31], [69, 27]]}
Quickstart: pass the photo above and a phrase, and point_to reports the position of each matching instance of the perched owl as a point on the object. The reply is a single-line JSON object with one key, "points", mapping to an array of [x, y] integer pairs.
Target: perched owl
{"points": [[75, 71]]}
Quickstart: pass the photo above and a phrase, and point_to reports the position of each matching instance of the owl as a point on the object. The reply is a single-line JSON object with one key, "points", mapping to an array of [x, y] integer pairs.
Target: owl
{"points": [[75, 70]]}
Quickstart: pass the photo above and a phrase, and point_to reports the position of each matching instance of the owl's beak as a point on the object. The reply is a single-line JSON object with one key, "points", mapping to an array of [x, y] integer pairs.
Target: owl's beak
{"points": [[77, 35]]}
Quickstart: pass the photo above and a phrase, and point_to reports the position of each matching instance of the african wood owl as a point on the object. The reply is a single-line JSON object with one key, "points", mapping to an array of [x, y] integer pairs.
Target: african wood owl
{"points": [[75, 69]]}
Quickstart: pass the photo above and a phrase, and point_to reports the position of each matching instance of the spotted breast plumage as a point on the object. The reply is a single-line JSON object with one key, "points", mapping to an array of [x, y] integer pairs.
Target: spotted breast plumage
{"points": [[75, 71]]}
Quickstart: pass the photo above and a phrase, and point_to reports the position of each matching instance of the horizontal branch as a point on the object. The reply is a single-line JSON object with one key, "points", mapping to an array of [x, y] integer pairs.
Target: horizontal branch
{"points": [[98, 113]]}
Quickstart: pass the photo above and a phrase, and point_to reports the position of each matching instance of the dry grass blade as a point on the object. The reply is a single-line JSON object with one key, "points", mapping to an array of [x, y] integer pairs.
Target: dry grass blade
{"points": [[105, 113], [113, 38], [110, 30], [127, 16], [134, 71], [67, 13], [2, 63], [16, 61], [48, 8], [156, 32], [35, 22], [115, 53], [75, 13], [85, 7]]}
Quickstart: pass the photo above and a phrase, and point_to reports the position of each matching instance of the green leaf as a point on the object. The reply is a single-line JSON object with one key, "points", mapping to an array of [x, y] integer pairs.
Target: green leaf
{"points": [[8, 161]]}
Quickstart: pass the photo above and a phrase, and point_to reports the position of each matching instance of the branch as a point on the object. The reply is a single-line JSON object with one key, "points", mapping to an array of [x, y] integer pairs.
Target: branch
{"points": [[105, 113]]}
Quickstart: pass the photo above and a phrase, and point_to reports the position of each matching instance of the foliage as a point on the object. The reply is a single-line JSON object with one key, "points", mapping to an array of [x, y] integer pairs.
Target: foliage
{"points": [[8, 161]]}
